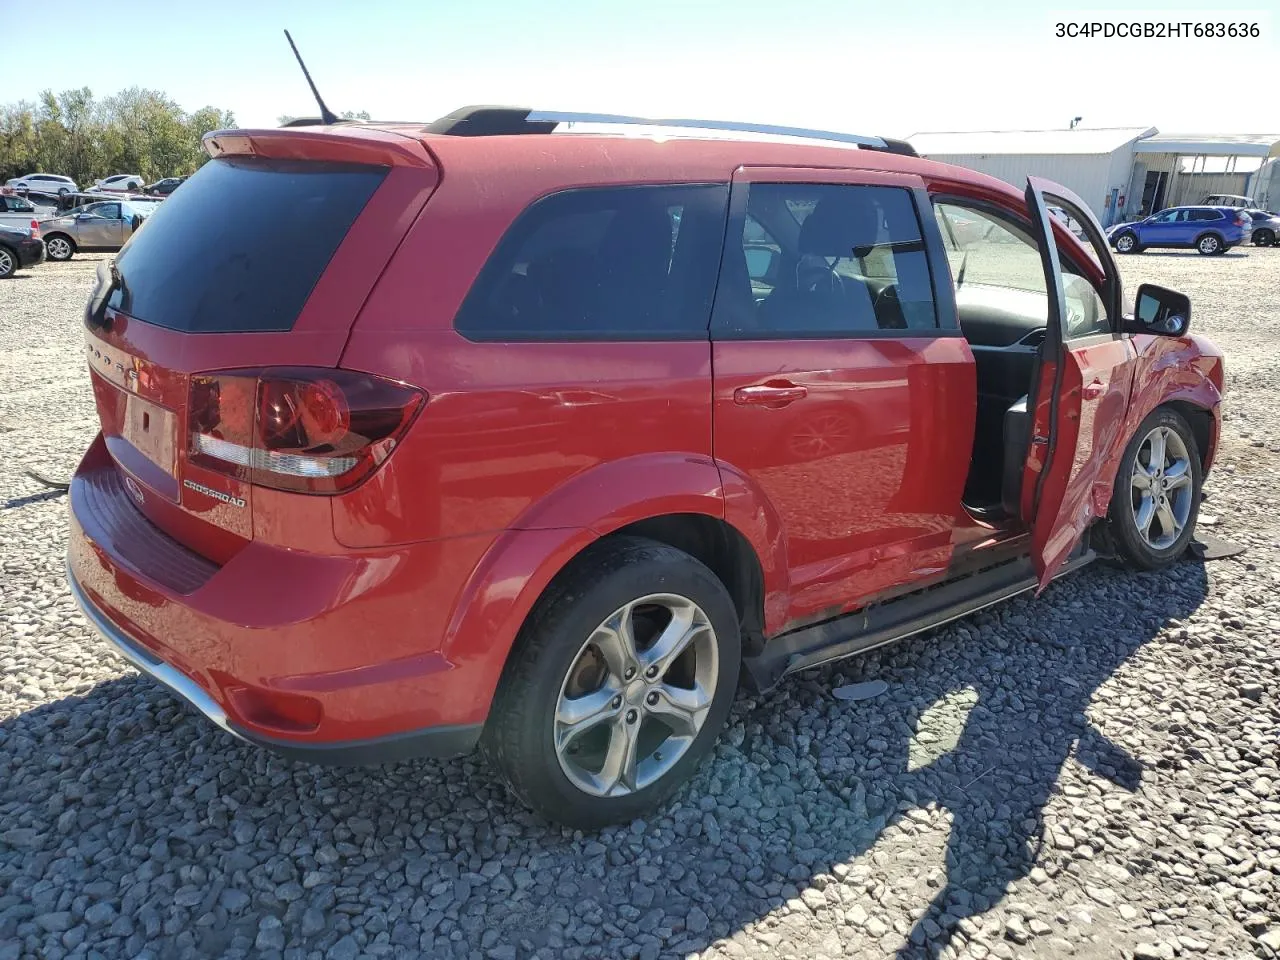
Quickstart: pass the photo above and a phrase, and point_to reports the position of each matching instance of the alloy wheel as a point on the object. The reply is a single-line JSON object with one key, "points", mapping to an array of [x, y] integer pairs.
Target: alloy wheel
{"points": [[1161, 488], [636, 695], [1209, 245], [7, 264], [58, 248], [1124, 244]]}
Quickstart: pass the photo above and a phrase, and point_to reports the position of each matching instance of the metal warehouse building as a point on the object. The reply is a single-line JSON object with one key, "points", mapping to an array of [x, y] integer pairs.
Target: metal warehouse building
{"points": [[1119, 171]]}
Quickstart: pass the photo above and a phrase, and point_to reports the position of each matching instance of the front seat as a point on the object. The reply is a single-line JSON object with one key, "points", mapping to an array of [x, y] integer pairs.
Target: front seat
{"points": [[813, 296], [1017, 441]]}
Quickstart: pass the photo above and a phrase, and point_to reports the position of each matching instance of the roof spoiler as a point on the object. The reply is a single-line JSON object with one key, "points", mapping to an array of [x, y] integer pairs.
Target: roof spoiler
{"points": [[493, 121]]}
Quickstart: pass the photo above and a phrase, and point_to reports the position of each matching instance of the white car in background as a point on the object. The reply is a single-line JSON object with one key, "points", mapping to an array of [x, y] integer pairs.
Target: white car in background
{"points": [[47, 183], [121, 182]]}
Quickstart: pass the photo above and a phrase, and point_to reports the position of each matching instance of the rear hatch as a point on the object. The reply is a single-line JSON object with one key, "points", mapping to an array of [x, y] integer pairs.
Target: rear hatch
{"points": [[231, 306]]}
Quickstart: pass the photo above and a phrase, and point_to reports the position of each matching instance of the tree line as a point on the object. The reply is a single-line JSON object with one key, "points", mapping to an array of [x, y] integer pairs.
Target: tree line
{"points": [[75, 135]]}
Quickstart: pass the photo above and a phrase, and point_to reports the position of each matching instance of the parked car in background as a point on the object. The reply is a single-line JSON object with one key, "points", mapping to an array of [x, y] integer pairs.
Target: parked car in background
{"points": [[120, 183], [16, 211], [104, 225], [1210, 230], [20, 247], [162, 188], [1228, 200], [518, 405], [47, 183], [1266, 228]]}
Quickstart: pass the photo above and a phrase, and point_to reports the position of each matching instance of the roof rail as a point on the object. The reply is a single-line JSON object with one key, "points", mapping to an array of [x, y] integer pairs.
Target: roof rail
{"points": [[481, 121]]}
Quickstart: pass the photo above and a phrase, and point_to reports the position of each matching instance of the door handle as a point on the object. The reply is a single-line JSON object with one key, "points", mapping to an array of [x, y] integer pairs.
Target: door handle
{"points": [[773, 394], [1094, 390]]}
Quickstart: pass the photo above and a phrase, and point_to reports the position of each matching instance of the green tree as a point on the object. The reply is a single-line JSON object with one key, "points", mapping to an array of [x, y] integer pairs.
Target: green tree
{"points": [[135, 131]]}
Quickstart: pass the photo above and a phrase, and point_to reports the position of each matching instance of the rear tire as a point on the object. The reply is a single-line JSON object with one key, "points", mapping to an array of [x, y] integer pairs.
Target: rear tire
{"points": [[59, 247], [1156, 498], [1127, 242], [8, 262], [1209, 245], [1264, 238], [591, 651]]}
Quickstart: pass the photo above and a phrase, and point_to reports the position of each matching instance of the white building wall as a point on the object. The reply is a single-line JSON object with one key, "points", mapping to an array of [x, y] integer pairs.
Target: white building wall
{"points": [[1091, 176]]}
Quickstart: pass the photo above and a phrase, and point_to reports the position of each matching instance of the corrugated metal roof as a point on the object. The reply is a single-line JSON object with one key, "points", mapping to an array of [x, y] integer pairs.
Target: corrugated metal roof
{"points": [[1102, 140], [1231, 145]]}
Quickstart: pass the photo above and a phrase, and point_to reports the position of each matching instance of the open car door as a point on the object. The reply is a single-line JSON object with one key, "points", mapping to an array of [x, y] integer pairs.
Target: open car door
{"points": [[1082, 386]]}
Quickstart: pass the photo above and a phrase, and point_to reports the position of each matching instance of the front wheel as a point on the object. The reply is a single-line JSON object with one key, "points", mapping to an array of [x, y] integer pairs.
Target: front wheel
{"points": [[1127, 243], [1157, 493], [1264, 238], [618, 686], [59, 247], [1209, 245]]}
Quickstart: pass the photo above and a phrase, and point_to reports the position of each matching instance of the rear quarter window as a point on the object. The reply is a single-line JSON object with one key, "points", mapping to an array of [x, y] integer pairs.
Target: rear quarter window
{"points": [[616, 263], [241, 246]]}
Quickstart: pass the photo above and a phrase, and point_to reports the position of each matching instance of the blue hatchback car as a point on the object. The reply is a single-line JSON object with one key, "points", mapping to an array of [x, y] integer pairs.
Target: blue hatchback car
{"points": [[1211, 230]]}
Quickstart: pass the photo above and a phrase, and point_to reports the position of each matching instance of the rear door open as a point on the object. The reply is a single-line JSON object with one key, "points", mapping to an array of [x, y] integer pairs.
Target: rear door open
{"points": [[1082, 385], [261, 261]]}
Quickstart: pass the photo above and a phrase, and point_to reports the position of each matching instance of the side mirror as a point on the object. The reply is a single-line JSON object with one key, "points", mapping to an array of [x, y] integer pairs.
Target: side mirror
{"points": [[1160, 311]]}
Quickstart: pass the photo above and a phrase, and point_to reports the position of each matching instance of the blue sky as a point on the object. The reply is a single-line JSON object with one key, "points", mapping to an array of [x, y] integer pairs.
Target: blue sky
{"points": [[887, 67]]}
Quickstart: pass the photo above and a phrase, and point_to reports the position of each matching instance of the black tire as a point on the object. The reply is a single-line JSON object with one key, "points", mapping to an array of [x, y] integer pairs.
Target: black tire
{"points": [[1264, 238], [1130, 240], [1209, 245], [1131, 546], [519, 736], [8, 262], [63, 191], [60, 247]]}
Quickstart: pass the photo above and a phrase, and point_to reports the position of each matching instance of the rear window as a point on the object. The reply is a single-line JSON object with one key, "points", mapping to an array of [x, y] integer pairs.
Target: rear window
{"points": [[241, 246], [619, 263]]}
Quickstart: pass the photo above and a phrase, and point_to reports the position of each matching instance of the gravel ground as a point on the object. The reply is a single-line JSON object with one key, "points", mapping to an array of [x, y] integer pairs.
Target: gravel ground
{"points": [[1090, 774]]}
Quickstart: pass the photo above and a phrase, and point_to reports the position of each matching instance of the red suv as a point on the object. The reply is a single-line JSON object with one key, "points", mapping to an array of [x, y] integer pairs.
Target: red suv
{"points": [[487, 433]]}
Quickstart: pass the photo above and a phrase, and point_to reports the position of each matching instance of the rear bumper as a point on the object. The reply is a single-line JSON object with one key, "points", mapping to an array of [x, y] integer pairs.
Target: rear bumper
{"points": [[440, 742], [323, 658], [30, 252]]}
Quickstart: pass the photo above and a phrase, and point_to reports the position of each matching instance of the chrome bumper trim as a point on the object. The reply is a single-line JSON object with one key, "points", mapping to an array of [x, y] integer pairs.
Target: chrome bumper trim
{"points": [[178, 682]]}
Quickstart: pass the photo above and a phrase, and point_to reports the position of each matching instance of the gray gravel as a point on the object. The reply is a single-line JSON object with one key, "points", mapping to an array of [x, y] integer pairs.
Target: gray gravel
{"points": [[1093, 774]]}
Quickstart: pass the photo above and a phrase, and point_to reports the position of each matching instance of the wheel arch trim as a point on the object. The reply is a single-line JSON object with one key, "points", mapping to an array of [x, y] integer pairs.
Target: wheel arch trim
{"points": [[522, 562]]}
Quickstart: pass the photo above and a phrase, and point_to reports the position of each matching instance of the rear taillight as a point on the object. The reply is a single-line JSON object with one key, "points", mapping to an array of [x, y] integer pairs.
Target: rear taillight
{"points": [[35, 228], [302, 429]]}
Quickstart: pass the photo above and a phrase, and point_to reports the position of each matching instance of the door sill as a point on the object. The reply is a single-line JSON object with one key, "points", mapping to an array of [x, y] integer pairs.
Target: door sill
{"points": [[882, 623]]}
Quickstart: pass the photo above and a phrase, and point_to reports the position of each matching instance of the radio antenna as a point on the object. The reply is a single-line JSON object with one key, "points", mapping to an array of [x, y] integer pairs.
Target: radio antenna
{"points": [[326, 115]]}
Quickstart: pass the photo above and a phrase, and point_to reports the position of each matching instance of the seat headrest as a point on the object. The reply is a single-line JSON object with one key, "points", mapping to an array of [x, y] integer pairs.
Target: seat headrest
{"points": [[838, 225]]}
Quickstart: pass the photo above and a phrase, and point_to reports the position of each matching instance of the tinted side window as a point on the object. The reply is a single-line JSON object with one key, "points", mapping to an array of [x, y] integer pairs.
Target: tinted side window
{"points": [[619, 263], [1205, 215], [850, 260]]}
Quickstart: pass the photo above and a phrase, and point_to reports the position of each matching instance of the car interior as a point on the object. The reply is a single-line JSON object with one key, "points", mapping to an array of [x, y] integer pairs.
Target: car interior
{"points": [[1002, 309]]}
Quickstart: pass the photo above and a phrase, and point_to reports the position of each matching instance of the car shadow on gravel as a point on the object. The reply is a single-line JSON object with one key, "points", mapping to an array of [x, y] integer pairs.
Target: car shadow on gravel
{"points": [[122, 796]]}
